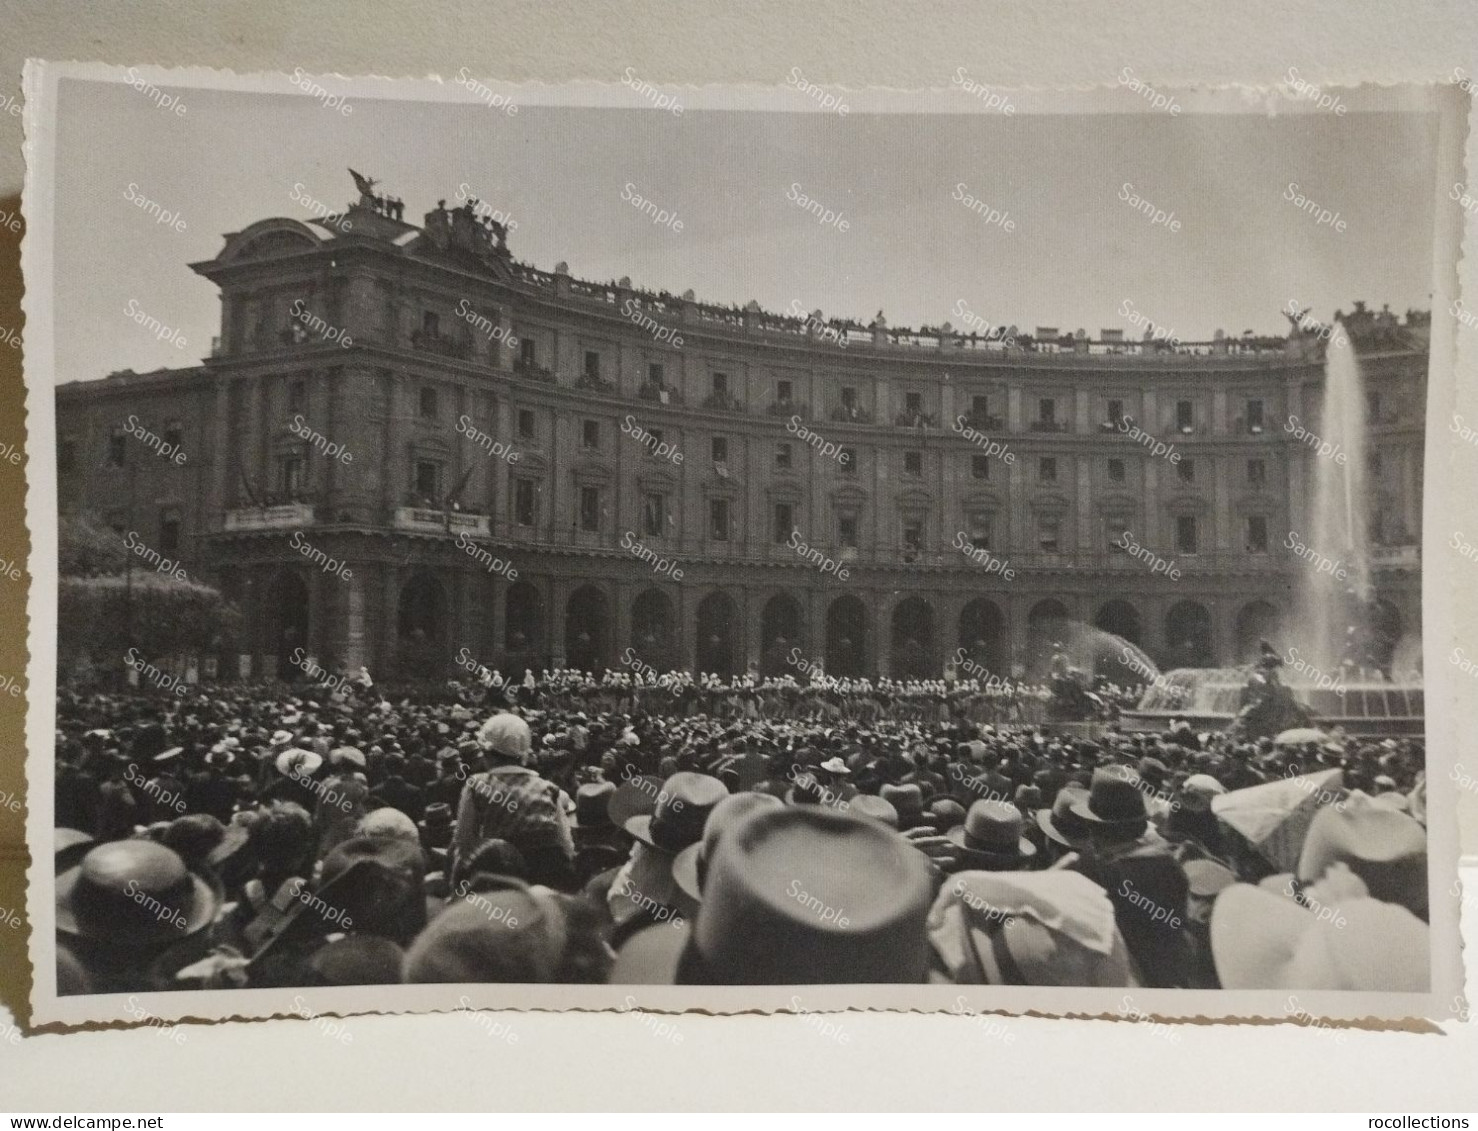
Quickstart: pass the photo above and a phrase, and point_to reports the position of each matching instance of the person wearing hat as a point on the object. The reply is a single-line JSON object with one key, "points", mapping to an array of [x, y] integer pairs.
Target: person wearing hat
{"points": [[690, 866], [1259, 940], [436, 829], [510, 801], [509, 931], [782, 906], [991, 839], [644, 890], [835, 774], [1191, 816], [131, 909], [908, 800], [1139, 871], [1053, 928], [599, 844], [1385, 848]]}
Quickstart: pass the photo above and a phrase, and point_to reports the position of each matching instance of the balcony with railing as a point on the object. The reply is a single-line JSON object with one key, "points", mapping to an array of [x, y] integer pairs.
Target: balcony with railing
{"points": [[984, 421], [270, 514], [531, 371], [851, 414], [1047, 426], [595, 383], [788, 406], [916, 419], [660, 393], [443, 345], [722, 401], [432, 519]]}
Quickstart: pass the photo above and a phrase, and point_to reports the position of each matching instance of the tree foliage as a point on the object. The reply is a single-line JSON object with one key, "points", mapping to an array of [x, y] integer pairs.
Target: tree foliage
{"points": [[103, 608]]}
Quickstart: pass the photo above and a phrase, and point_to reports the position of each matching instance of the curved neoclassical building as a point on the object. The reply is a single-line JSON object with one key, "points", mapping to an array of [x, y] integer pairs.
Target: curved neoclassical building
{"points": [[408, 450]]}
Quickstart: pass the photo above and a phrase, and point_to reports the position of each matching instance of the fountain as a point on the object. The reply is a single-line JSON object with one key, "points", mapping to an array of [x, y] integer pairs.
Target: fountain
{"points": [[1330, 660], [1336, 597]]}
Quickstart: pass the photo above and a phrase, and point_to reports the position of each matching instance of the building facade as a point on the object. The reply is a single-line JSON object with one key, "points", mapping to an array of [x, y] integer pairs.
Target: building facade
{"points": [[409, 451]]}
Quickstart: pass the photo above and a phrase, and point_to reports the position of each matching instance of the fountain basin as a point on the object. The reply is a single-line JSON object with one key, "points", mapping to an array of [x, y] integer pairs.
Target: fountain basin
{"points": [[1209, 699]]}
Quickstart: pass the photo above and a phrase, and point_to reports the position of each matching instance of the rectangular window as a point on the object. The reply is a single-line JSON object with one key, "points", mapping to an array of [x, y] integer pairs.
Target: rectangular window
{"points": [[784, 391], [523, 502], [913, 537], [847, 531], [118, 448], [718, 520], [169, 531], [847, 458], [1185, 534], [913, 403], [653, 514], [982, 528], [784, 521], [1186, 469], [980, 406], [1116, 471], [849, 397], [980, 467], [1255, 422], [590, 508], [1047, 410], [590, 434], [1049, 533], [428, 480], [1047, 469], [526, 423], [651, 448], [655, 373], [428, 403], [782, 457], [1257, 534], [913, 464], [174, 433], [1115, 412], [528, 352], [290, 476], [720, 384], [297, 396], [1185, 416], [430, 324], [592, 364], [1257, 473], [720, 445]]}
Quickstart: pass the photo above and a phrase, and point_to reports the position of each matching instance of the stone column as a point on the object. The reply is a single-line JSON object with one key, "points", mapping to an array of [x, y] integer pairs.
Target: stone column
{"points": [[389, 615], [880, 632], [559, 595], [355, 654]]}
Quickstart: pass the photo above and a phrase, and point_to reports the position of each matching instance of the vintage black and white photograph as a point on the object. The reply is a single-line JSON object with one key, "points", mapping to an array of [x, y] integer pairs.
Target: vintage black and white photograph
{"points": [[795, 548]]}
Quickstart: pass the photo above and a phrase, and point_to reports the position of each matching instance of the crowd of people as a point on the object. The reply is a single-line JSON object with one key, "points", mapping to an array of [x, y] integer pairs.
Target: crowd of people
{"points": [[988, 699], [565, 828]]}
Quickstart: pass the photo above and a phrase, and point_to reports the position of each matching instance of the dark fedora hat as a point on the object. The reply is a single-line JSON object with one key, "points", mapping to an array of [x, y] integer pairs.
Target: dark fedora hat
{"points": [[1060, 823], [683, 805], [592, 801], [907, 799], [633, 798], [1113, 800], [783, 903], [691, 864], [134, 894], [992, 832]]}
